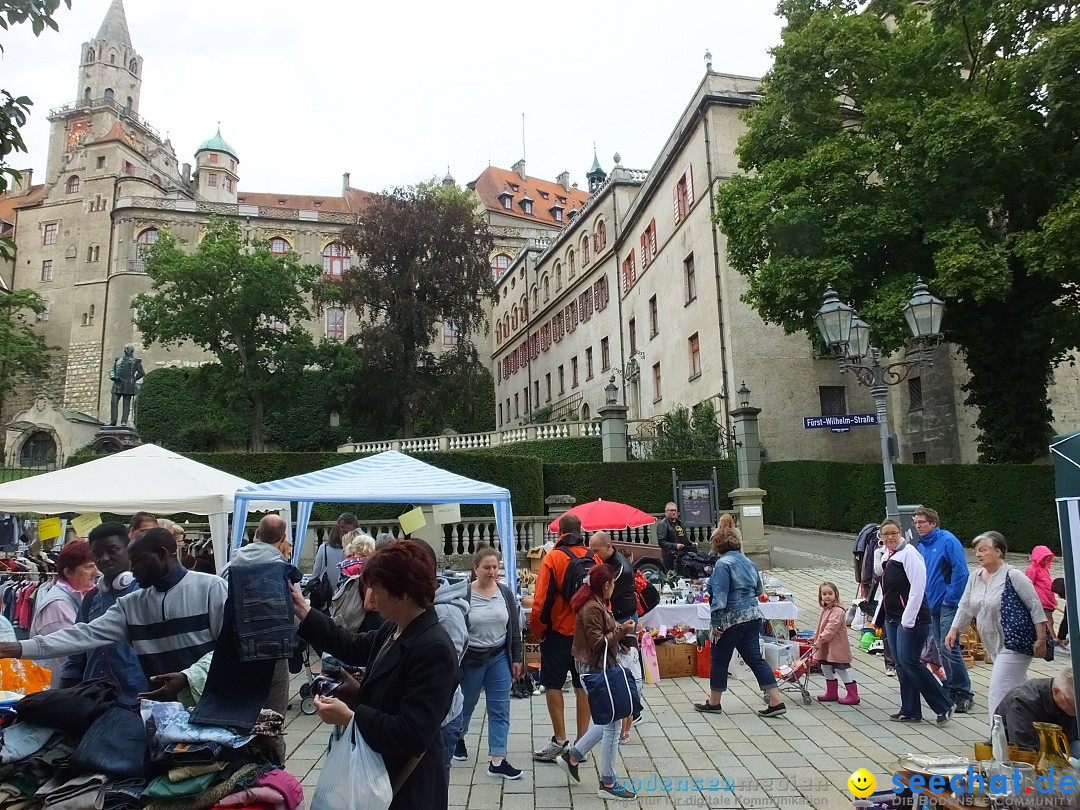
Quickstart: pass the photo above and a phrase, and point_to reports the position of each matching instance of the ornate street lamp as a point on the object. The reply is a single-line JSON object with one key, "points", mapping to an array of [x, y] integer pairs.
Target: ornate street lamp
{"points": [[744, 395], [848, 338]]}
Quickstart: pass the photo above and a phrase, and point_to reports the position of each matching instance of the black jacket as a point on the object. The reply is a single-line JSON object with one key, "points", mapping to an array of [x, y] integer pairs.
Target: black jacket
{"points": [[669, 533], [624, 597], [403, 698]]}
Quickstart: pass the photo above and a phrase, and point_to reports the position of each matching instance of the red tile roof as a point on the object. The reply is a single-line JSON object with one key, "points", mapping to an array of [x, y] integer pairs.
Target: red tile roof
{"points": [[493, 181], [8, 203], [118, 133], [354, 200]]}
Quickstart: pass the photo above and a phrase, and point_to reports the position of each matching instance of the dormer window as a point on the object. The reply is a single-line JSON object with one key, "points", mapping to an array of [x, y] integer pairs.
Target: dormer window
{"points": [[526, 206], [507, 198], [544, 194], [317, 203], [556, 212]]}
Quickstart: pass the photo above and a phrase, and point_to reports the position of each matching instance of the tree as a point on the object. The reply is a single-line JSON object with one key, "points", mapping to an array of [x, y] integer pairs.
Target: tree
{"points": [[689, 433], [15, 109], [238, 301], [419, 264], [24, 354], [894, 142]]}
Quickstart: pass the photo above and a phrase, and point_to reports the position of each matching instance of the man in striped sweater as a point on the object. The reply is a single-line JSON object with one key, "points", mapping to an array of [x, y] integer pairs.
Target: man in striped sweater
{"points": [[171, 622]]}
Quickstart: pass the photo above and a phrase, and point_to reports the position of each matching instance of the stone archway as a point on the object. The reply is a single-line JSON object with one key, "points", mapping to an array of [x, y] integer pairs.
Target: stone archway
{"points": [[39, 450]]}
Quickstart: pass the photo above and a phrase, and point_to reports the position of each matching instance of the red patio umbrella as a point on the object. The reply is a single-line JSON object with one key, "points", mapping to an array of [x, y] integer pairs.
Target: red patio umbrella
{"points": [[602, 515]]}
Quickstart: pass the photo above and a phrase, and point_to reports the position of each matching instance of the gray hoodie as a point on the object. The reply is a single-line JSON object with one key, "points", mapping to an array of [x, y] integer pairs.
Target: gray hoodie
{"points": [[256, 552], [451, 605]]}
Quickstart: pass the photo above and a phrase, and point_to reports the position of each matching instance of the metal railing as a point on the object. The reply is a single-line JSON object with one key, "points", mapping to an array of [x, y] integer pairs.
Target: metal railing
{"points": [[108, 103]]}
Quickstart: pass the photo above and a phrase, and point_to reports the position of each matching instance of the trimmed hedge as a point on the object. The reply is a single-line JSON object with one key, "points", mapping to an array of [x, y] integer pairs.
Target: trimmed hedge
{"points": [[554, 451], [1014, 499], [644, 484]]}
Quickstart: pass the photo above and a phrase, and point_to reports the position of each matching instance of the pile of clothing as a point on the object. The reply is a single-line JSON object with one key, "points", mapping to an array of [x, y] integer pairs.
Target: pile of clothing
{"points": [[77, 749]]}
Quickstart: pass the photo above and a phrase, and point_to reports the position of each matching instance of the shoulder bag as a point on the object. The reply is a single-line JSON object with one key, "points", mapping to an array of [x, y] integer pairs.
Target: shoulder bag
{"points": [[1018, 629], [612, 693]]}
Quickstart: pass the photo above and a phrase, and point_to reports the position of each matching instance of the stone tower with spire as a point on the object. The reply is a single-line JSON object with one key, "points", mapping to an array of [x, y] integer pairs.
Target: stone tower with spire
{"points": [[596, 176], [110, 68]]}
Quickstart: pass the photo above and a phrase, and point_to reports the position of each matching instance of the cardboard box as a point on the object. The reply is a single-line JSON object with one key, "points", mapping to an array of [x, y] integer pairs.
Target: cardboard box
{"points": [[532, 650], [677, 660], [536, 555], [779, 653]]}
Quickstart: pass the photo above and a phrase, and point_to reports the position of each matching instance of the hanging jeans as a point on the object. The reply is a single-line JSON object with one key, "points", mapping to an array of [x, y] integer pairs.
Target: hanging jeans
{"points": [[493, 676], [915, 679]]}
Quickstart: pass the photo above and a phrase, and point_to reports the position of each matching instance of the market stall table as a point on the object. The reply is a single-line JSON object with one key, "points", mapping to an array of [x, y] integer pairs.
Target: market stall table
{"points": [[698, 615]]}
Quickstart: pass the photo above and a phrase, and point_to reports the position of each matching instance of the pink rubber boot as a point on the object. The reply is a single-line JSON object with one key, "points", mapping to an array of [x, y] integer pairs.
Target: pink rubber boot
{"points": [[830, 692], [852, 696]]}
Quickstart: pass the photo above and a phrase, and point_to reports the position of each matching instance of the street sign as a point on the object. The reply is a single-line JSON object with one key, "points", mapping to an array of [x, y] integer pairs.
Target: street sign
{"points": [[846, 420]]}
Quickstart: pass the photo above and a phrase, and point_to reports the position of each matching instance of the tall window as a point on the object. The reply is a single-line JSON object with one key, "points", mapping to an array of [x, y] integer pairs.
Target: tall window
{"points": [[547, 385], [109, 94], [600, 237], [500, 415], [562, 381], [682, 195], [915, 398], [499, 263], [558, 276], [144, 241], [335, 323], [689, 279], [73, 184], [43, 316], [605, 354], [571, 267], [48, 234], [211, 179], [695, 355], [545, 283], [633, 335], [588, 363], [585, 251], [536, 393], [335, 260], [93, 253], [654, 326], [573, 372], [279, 246], [451, 335], [656, 382], [46, 270], [832, 399]]}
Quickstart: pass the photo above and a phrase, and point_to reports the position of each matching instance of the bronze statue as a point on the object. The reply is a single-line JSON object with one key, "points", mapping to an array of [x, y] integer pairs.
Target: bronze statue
{"points": [[126, 373]]}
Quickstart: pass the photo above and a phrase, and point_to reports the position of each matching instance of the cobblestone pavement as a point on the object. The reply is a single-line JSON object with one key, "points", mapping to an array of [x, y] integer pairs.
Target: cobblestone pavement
{"points": [[802, 759]]}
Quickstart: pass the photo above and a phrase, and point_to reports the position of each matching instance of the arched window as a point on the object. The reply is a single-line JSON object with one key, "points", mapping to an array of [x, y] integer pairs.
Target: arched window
{"points": [[130, 103], [145, 240], [524, 308], [545, 283], [514, 317], [134, 66], [93, 253], [585, 250], [558, 276], [279, 246], [498, 331], [108, 94], [90, 55], [86, 93], [572, 271], [600, 237], [585, 412], [499, 263], [535, 298], [73, 184], [506, 325], [38, 451], [335, 260]]}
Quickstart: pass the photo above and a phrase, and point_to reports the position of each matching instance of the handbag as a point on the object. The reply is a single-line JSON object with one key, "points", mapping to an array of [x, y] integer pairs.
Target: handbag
{"points": [[353, 776], [320, 593], [612, 693], [1018, 629]]}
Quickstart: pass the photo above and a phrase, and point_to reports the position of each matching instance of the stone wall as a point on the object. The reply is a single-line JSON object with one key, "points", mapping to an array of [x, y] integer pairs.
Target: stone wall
{"points": [[84, 374]]}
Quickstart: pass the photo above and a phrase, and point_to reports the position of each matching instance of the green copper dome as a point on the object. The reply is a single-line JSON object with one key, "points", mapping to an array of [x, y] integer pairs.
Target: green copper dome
{"points": [[217, 144]]}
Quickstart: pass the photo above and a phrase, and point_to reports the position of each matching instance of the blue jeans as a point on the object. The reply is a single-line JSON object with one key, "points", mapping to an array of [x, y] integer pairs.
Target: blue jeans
{"points": [[915, 679], [494, 678], [607, 736], [957, 682], [262, 604], [115, 745], [451, 733], [744, 638]]}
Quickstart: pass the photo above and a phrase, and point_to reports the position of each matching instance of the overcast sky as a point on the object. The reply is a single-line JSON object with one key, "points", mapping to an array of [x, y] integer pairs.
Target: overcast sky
{"points": [[395, 92]]}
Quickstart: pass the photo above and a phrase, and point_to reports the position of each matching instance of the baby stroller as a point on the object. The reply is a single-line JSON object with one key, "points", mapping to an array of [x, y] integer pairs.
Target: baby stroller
{"points": [[795, 677], [301, 662]]}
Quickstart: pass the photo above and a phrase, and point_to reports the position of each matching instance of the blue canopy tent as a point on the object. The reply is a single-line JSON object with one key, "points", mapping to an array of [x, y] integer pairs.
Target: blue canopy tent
{"points": [[389, 477]]}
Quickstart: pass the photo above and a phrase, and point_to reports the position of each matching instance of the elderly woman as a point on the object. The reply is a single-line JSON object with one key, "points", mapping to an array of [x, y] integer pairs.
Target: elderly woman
{"points": [[906, 617], [58, 605], [982, 602], [411, 676], [734, 588], [358, 547]]}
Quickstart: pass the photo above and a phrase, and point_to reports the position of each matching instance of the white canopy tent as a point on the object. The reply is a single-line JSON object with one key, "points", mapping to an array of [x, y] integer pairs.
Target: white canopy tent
{"points": [[389, 477], [144, 478]]}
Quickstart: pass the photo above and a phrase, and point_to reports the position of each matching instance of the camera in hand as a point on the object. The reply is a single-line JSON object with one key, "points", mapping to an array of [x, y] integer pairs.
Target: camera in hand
{"points": [[324, 686]]}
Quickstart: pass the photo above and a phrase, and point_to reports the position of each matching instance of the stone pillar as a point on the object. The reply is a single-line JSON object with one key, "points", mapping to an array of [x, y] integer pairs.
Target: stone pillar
{"points": [[747, 446], [750, 515], [613, 431]]}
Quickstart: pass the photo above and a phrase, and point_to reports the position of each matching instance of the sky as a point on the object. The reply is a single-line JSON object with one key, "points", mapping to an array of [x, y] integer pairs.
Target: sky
{"points": [[398, 92]]}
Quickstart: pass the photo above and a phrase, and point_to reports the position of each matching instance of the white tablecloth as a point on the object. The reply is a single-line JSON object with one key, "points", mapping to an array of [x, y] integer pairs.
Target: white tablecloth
{"points": [[697, 615]]}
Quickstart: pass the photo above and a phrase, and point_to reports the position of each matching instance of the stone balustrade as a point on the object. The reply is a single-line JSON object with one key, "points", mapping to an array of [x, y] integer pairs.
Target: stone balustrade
{"points": [[473, 441]]}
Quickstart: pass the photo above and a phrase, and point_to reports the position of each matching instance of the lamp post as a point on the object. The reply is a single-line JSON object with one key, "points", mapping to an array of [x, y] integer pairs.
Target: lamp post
{"points": [[848, 338]]}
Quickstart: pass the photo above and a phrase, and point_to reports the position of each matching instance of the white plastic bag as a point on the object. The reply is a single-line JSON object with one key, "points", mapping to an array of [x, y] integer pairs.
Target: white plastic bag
{"points": [[353, 776], [629, 658]]}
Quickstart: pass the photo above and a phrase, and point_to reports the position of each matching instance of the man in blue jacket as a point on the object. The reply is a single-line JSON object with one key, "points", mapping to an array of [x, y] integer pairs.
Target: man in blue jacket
{"points": [[946, 578]]}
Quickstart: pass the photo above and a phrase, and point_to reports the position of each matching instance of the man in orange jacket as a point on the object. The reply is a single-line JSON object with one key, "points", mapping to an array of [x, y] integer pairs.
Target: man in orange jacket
{"points": [[552, 621]]}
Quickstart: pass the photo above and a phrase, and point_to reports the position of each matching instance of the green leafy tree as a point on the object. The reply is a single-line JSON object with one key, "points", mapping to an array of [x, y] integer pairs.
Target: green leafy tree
{"points": [[419, 261], [14, 110], [238, 301], [894, 141], [24, 354], [689, 433]]}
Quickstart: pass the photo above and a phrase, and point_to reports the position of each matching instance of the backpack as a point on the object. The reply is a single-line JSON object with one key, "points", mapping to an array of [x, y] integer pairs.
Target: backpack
{"points": [[347, 606], [576, 573]]}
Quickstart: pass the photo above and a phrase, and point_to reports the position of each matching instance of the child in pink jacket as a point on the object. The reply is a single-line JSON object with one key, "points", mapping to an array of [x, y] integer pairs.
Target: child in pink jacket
{"points": [[832, 647], [1039, 574]]}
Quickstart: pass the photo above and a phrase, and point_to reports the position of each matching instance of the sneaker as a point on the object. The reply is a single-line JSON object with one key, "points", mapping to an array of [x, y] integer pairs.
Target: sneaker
{"points": [[638, 718], [890, 671], [965, 704], [773, 711], [461, 753], [504, 770], [571, 768], [615, 792], [551, 751], [903, 718], [942, 719]]}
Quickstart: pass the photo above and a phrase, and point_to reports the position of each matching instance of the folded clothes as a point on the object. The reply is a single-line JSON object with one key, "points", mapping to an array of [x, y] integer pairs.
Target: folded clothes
{"points": [[242, 776], [169, 722], [265, 797], [165, 788], [23, 740], [285, 784], [83, 792], [125, 794], [115, 744], [188, 771], [188, 753]]}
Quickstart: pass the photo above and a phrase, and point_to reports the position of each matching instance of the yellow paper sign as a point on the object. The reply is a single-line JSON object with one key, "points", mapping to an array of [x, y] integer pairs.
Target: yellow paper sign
{"points": [[412, 521], [48, 528], [84, 523]]}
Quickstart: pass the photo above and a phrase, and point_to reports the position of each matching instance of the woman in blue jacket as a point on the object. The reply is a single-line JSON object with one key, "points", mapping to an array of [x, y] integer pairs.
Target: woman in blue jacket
{"points": [[734, 588]]}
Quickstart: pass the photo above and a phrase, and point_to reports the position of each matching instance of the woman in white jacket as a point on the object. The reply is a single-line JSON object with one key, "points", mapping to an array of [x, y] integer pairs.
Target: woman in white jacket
{"points": [[982, 602], [902, 611]]}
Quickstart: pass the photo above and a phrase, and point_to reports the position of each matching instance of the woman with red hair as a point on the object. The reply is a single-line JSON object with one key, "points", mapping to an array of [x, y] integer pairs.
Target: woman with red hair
{"points": [[56, 607], [412, 673], [596, 644]]}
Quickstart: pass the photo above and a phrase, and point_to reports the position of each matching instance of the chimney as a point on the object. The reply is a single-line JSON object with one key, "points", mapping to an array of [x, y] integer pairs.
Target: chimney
{"points": [[21, 187], [185, 174], [564, 180], [344, 184], [519, 167]]}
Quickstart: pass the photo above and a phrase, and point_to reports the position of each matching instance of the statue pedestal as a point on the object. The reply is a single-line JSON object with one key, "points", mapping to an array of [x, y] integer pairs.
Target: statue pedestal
{"points": [[113, 439]]}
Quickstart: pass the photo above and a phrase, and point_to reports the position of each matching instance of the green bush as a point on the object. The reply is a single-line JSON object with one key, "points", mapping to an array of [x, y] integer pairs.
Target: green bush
{"points": [[644, 484], [1014, 499], [553, 451]]}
